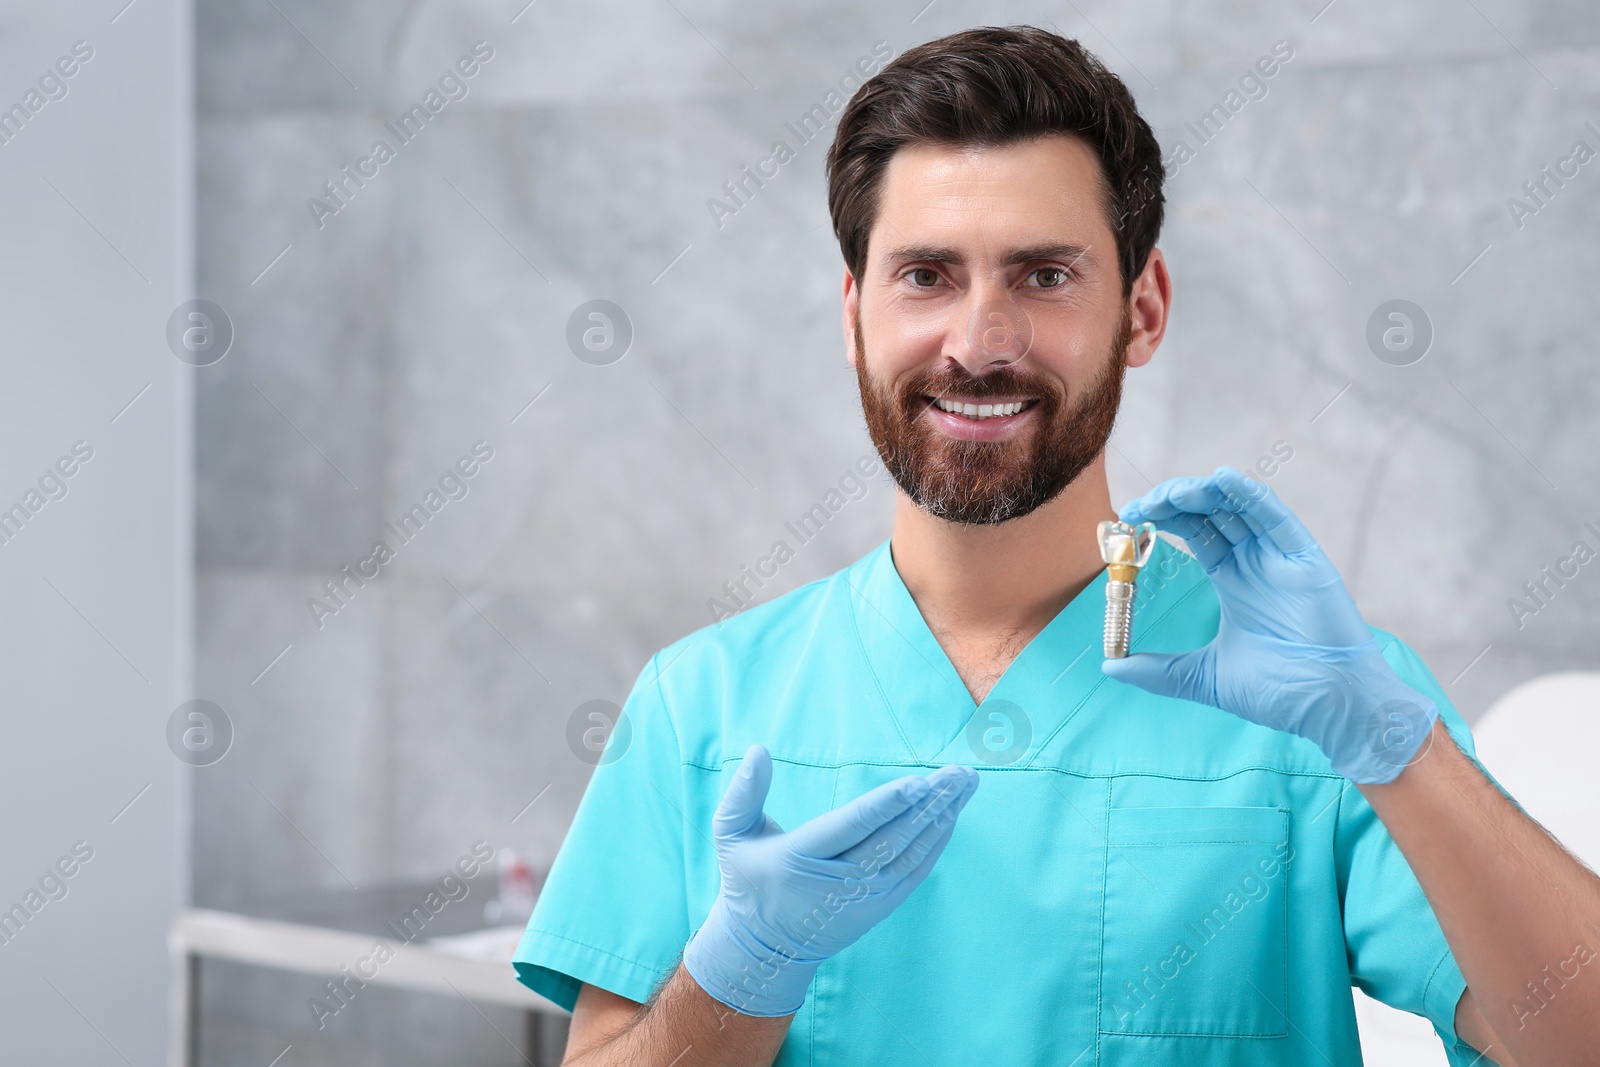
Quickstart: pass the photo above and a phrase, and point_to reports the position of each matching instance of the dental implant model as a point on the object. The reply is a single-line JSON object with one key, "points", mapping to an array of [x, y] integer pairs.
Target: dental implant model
{"points": [[1125, 549]]}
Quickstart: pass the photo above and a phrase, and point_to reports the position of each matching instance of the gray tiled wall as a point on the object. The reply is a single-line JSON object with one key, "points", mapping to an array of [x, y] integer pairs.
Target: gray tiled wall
{"points": [[428, 312]]}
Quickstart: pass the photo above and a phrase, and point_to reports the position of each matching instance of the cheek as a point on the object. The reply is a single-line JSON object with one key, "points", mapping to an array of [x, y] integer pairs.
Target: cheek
{"points": [[897, 340], [1065, 357], [1075, 349], [912, 347]]}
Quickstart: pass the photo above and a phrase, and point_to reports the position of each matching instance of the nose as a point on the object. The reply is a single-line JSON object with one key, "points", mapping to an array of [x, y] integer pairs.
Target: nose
{"points": [[991, 329]]}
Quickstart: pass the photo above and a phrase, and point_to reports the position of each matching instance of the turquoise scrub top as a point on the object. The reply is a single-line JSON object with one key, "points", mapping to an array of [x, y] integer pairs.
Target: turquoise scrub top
{"points": [[1137, 880]]}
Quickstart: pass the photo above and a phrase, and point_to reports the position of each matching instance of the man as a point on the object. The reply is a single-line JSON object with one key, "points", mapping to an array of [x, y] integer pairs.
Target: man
{"points": [[1166, 862]]}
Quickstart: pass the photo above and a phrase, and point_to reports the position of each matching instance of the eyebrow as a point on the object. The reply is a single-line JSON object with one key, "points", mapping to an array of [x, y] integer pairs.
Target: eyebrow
{"points": [[935, 254]]}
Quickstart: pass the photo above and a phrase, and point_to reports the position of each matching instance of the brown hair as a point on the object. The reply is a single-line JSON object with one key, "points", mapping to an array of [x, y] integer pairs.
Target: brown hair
{"points": [[989, 87]]}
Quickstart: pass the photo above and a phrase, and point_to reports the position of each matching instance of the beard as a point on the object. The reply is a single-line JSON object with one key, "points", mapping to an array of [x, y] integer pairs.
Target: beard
{"points": [[984, 483]]}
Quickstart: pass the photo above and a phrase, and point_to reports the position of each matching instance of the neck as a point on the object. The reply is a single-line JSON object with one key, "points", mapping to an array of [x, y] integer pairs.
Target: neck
{"points": [[1007, 579]]}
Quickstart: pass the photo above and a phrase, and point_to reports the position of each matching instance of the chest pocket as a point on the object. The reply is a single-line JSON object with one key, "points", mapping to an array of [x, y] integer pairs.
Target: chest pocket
{"points": [[1194, 926]]}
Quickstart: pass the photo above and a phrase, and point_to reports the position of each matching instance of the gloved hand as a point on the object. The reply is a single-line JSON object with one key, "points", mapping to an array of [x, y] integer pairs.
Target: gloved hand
{"points": [[791, 900], [1291, 650]]}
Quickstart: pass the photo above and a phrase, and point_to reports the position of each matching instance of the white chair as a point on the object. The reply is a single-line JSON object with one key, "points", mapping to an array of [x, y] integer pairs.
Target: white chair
{"points": [[1540, 742]]}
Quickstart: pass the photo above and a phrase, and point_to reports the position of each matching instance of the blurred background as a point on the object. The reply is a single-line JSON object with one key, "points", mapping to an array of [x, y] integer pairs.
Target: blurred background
{"points": [[242, 346]]}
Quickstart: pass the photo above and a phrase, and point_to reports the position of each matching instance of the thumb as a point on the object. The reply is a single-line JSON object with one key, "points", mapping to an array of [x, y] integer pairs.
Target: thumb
{"points": [[1184, 675], [740, 810]]}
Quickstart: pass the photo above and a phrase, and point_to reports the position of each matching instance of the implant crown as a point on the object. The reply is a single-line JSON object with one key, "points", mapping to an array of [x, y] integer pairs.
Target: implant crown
{"points": [[1126, 548]]}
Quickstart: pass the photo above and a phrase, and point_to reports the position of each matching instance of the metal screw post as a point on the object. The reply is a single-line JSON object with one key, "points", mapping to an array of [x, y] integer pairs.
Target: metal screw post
{"points": [[1119, 618]]}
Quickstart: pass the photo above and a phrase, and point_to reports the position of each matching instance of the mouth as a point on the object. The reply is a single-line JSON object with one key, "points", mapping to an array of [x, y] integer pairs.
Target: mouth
{"points": [[981, 411], [969, 419]]}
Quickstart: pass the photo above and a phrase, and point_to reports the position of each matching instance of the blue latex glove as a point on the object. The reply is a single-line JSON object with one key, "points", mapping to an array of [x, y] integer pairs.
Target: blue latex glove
{"points": [[791, 900], [1291, 650]]}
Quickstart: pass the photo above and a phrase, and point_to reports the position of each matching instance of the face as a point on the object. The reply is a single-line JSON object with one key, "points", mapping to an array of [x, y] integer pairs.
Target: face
{"points": [[990, 330]]}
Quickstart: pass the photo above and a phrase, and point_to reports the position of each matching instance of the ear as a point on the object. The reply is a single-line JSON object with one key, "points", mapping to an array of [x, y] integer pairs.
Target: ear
{"points": [[1150, 302], [851, 310]]}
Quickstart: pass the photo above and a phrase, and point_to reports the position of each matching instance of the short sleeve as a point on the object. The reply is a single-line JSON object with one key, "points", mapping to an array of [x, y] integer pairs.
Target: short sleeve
{"points": [[1397, 951], [612, 912]]}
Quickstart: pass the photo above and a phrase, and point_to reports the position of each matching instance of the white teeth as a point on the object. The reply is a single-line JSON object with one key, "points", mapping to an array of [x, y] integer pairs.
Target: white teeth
{"points": [[980, 411]]}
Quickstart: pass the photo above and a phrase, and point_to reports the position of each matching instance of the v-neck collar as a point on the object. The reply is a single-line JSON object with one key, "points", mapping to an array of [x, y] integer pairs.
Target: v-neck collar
{"points": [[921, 689]]}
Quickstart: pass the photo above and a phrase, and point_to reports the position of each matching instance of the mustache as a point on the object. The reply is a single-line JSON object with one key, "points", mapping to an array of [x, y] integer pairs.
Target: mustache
{"points": [[1012, 387]]}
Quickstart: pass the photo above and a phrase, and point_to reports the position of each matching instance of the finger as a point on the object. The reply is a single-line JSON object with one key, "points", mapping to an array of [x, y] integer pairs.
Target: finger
{"points": [[1184, 675], [1181, 504], [1157, 504], [1208, 496], [740, 812], [1258, 531], [948, 785], [912, 867], [1175, 496], [909, 882], [1265, 510], [834, 831], [921, 850], [1198, 532], [895, 880], [1231, 525], [1229, 496]]}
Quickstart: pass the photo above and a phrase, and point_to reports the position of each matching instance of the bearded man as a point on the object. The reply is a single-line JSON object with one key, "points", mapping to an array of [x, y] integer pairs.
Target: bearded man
{"points": [[1186, 856]]}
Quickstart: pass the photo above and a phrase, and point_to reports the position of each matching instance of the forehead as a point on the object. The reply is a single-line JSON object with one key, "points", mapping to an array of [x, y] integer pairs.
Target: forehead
{"points": [[990, 199]]}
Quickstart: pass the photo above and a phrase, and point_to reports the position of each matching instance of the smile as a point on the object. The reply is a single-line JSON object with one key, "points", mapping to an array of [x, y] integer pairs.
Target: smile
{"points": [[980, 412]]}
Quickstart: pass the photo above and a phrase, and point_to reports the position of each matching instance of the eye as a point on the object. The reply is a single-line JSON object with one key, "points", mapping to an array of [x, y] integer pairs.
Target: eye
{"points": [[933, 276], [1059, 275]]}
